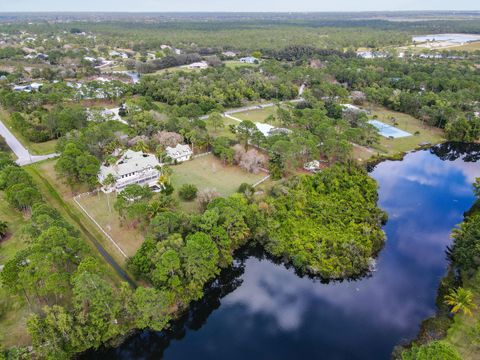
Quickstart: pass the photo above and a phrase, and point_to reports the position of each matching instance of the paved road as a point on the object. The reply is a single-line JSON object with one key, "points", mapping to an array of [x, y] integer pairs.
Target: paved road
{"points": [[22, 154]]}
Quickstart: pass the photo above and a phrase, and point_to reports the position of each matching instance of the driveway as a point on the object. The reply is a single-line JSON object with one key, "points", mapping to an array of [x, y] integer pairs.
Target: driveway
{"points": [[22, 154]]}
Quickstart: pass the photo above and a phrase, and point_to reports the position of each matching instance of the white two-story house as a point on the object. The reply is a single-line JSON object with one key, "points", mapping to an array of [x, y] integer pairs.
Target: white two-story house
{"points": [[133, 167]]}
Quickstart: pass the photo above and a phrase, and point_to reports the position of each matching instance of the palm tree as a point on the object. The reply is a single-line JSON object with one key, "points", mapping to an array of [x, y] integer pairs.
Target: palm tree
{"points": [[3, 229], [154, 208], [167, 171], [192, 137], [108, 182], [141, 146], [461, 300]]}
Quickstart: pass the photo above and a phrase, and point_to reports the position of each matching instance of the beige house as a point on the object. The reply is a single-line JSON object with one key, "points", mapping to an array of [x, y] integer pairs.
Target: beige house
{"points": [[179, 153], [133, 167]]}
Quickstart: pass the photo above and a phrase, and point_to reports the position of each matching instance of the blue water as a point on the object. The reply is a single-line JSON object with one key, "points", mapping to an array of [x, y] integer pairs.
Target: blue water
{"points": [[388, 130], [261, 310], [454, 38]]}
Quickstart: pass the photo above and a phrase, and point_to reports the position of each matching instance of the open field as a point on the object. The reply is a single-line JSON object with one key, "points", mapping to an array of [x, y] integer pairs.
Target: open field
{"points": [[47, 147], [407, 123], [58, 195], [257, 115], [13, 322], [473, 46], [128, 239], [15, 220], [209, 172], [225, 131], [233, 64]]}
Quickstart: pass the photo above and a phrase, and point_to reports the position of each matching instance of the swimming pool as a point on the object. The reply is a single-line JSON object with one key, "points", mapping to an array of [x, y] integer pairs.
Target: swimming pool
{"points": [[388, 130]]}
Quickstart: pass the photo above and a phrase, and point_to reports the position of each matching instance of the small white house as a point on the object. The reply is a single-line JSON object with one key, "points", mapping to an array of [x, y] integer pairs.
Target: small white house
{"points": [[198, 65], [179, 153], [28, 88], [248, 60], [133, 167], [313, 166], [229, 54], [269, 130], [115, 53]]}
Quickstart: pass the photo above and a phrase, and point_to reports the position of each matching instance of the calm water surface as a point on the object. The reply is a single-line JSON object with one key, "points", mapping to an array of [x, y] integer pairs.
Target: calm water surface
{"points": [[262, 310]]}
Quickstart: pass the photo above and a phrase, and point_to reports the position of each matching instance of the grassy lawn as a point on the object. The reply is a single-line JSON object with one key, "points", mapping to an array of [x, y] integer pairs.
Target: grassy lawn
{"points": [[60, 196], [13, 320], [473, 46], [209, 172], [407, 123], [44, 148], [225, 131], [463, 333], [234, 64], [15, 220], [128, 239], [257, 115], [361, 153]]}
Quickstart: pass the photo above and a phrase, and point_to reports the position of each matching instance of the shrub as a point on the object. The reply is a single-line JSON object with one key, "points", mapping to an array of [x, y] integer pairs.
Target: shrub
{"points": [[188, 192], [244, 188]]}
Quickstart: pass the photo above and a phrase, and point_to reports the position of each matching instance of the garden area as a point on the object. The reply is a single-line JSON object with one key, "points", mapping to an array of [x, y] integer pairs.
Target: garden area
{"points": [[208, 172]]}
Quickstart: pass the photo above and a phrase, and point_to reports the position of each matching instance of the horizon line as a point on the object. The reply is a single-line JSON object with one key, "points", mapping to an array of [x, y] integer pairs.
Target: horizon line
{"points": [[226, 12]]}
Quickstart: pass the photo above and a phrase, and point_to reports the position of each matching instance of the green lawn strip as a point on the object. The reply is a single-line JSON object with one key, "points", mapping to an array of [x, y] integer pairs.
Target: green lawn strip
{"points": [[15, 310], [13, 320], [209, 172], [89, 231], [14, 241], [235, 64], [258, 115], [463, 333]]}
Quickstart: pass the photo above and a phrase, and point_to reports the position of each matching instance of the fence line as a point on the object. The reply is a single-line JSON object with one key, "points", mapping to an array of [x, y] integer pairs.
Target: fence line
{"points": [[97, 224], [261, 181], [201, 155]]}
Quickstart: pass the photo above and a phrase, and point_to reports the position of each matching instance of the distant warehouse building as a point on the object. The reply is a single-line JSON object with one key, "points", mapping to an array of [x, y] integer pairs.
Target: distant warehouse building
{"points": [[133, 167]]}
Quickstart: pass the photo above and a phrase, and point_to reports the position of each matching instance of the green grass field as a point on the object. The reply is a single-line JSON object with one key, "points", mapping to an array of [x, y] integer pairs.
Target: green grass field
{"points": [[463, 333], [234, 64], [128, 239], [15, 220], [13, 320], [408, 123], [257, 115], [44, 148], [225, 131], [209, 172]]}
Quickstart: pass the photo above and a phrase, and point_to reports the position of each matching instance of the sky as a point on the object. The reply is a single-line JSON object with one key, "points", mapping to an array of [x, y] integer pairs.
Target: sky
{"points": [[237, 5]]}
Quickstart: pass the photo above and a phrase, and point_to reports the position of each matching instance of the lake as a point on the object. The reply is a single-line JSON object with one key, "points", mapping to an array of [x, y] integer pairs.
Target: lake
{"points": [[262, 310], [452, 38]]}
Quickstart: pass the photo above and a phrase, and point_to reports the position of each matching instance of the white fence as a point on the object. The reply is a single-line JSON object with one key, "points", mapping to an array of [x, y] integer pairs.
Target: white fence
{"points": [[96, 223]]}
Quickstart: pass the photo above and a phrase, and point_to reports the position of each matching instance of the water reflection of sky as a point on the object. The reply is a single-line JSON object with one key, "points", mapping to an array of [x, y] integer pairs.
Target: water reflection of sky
{"points": [[275, 314]]}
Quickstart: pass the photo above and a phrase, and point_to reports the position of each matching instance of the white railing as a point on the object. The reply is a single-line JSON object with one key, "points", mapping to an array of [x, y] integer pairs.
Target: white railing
{"points": [[97, 224]]}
